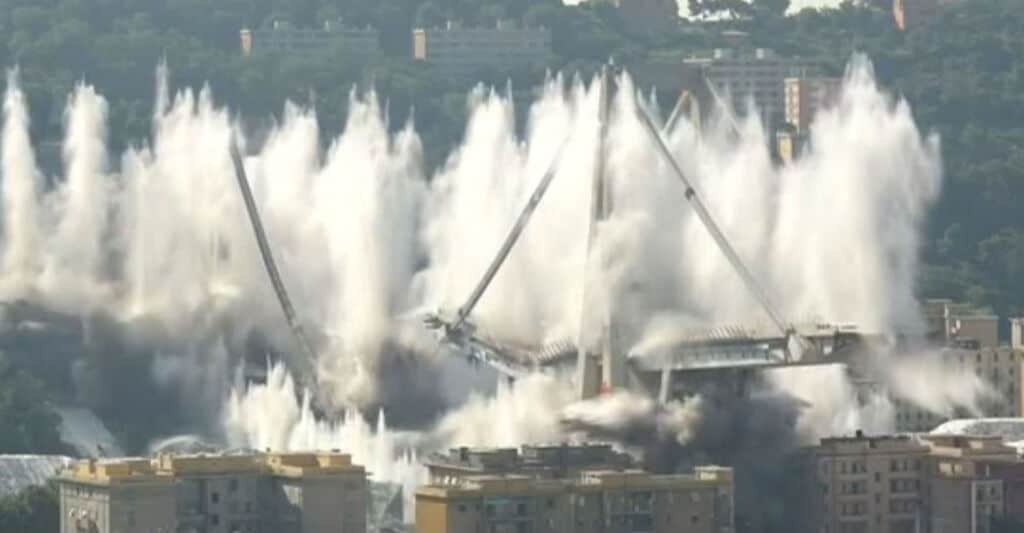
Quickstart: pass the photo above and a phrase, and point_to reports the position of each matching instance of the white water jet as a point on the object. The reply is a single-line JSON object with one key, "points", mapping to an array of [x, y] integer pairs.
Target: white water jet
{"points": [[21, 192], [74, 268], [362, 239]]}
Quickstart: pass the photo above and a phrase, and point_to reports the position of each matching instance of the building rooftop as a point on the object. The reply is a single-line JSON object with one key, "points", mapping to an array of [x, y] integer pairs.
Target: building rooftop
{"points": [[166, 467], [704, 476], [860, 444], [543, 460]]}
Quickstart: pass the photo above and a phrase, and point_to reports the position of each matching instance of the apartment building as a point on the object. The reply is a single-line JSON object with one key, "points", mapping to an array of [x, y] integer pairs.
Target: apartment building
{"points": [[464, 52], [1000, 368], [756, 76], [954, 323], [912, 418], [971, 481], [540, 462], [359, 44], [865, 484], [592, 502], [805, 96], [271, 493]]}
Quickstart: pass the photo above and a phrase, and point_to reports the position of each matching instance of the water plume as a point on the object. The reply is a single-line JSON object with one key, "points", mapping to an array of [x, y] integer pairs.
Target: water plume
{"points": [[75, 268], [365, 241], [21, 191]]}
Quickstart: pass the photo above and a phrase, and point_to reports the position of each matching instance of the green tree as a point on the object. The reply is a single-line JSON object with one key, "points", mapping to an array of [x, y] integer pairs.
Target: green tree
{"points": [[428, 15], [771, 7], [29, 426], [35, 509]]}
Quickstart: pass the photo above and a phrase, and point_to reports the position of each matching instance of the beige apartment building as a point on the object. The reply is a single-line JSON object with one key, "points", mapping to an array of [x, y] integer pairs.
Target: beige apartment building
{"points": [[541, 462], [463, 52], [359, 44], [592, 502], [752, 76], [970, 482], [867, 484], [1002, 369], [272, 493], [901, 484], [805, 96], [960, 324]]}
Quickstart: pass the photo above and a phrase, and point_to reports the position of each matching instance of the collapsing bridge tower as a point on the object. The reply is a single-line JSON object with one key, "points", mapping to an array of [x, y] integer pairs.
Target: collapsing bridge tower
{"points": [[605, 370], [670, 370]]}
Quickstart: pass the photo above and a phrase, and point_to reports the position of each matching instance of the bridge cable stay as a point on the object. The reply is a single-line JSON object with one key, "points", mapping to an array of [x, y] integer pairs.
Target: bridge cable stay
{"points": [[510, 239], [725, 107], [268, 257], [713, 229]]}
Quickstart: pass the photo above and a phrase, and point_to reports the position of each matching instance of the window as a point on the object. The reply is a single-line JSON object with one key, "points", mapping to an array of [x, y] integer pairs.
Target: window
{"points": [[214, 497], [233, 485], [462, 508], [214, 520]]}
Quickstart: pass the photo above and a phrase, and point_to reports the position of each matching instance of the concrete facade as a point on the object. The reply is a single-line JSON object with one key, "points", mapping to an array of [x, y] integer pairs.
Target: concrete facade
{"points": [[274, 493], [353, 43], [537, 462], [805, 96], [593, 502], [463, 52], [756, 76], [867, 485], [1002, 369], [900, 484], [966, 493], [953, 323]]}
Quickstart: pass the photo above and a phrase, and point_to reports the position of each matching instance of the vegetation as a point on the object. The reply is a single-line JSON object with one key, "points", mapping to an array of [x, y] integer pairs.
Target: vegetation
{"points": [[27, 425], [35, 509]]}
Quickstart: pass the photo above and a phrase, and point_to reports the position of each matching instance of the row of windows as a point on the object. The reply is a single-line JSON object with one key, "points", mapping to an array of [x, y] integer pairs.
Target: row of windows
{"points": [[859, 466], [904, 465], [903, 506], [988, 492], [904, 485], [856, 487], [988, 510], [853, 509]]}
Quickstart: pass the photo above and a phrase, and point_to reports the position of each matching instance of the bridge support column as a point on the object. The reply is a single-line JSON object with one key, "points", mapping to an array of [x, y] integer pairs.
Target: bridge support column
{"points": [[666, 386]]}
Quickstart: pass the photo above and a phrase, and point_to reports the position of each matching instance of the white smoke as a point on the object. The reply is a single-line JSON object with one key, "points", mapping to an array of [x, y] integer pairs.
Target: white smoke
{"points": [[269, 417], [21, 190], [362, 239], [74, 265]]}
